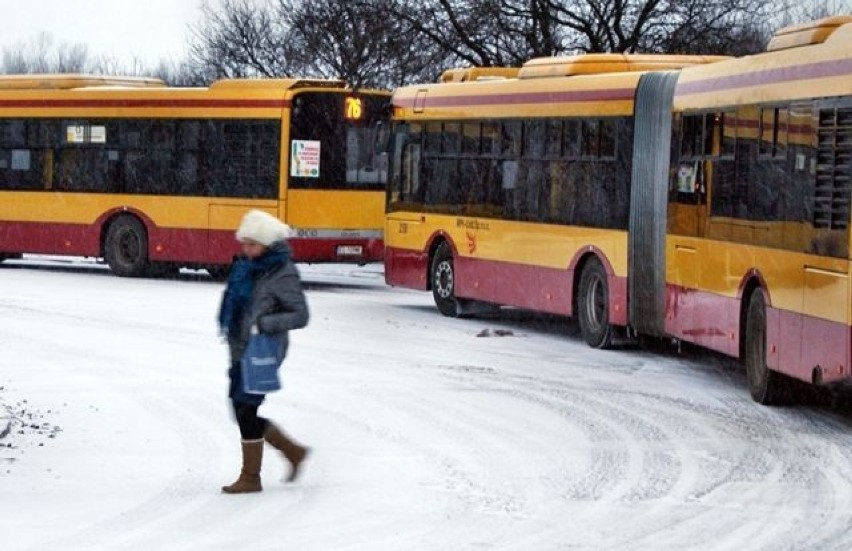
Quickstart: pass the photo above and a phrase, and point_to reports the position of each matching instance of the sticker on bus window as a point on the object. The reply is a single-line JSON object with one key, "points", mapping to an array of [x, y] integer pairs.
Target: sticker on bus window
{"points": [[305, 158], [97, 134], [82, 133], [687, 178], [75, 134]]}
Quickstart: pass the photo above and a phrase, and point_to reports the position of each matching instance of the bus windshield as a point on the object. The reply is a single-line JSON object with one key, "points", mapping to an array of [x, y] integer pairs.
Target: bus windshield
{"points": [[337, 132]]}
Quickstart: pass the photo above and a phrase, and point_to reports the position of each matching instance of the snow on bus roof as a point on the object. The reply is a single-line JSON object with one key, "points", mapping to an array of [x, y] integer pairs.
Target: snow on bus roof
{"points": [[72, 80]]}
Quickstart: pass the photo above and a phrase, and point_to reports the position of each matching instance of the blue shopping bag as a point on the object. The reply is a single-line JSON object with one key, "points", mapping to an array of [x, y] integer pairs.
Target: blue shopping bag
{"points": [[260, 362]]}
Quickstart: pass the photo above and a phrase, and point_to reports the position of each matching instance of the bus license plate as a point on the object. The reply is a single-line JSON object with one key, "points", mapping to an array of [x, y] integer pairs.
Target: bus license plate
{"points": [[349, 250]]}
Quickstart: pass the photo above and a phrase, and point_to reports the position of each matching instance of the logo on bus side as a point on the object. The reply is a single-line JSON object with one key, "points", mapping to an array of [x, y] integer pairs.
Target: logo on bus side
{"points": [[472, 224], [471, 235]]}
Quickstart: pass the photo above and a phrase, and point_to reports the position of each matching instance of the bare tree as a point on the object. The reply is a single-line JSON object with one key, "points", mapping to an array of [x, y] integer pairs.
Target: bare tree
{"points": [[509, 32], [385, 43], [464, 32], [239, 38], [789, 12], [353, 41], [41, 56]]}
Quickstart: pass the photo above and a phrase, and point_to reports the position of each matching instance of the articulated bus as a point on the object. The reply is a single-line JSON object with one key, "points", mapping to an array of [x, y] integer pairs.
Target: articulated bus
{"points": [[704, 200], [151, 177]]}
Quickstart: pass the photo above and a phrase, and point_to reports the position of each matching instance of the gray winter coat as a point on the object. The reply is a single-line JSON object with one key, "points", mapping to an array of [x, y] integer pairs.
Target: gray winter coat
{"points": [[277, 306]]}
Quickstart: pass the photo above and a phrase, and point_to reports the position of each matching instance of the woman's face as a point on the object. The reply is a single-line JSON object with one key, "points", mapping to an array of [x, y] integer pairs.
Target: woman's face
{"points": [[252, 249]]}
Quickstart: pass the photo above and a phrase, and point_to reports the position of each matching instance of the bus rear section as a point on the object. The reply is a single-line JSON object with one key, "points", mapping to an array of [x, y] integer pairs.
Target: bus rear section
{"points": [[738, 191], [152, 178], [336, 178]]}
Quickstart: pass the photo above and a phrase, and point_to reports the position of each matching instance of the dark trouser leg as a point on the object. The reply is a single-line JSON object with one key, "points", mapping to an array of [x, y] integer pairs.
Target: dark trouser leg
{"points": [[251, 424]]}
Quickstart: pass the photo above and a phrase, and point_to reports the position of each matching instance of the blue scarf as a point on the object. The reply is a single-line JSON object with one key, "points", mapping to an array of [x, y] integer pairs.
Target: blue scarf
{"points": [[241, 278]]}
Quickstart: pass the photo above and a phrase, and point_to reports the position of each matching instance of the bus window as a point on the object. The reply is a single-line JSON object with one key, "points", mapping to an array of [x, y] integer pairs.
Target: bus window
{"points": [[553, 139], [571, 139], [347, 153], [491, 139]]}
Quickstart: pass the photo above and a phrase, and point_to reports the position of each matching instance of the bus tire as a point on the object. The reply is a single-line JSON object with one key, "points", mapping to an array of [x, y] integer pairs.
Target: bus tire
{"points": [[126, 247], [443, 281], [766, 386], [593, 305]]}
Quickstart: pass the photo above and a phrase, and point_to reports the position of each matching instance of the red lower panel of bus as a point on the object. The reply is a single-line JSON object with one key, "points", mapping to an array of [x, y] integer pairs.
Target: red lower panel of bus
{"points": [[529, 287], [796, 344], [39, 238], [189, 246], [405, 268], [337, 250]]}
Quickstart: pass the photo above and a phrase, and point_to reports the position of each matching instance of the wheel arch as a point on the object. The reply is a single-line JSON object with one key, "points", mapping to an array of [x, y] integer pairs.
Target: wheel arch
{"points": [[751, 282], [578, 262], [105, 220], [435, 241]]}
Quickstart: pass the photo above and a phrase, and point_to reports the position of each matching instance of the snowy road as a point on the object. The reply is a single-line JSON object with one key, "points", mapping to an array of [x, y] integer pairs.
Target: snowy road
{"points": [[425, 435]]}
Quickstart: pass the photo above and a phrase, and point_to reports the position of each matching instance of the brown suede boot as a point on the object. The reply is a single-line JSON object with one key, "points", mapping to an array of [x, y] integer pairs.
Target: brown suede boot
{"points": [[293, 452], [249, 480]]}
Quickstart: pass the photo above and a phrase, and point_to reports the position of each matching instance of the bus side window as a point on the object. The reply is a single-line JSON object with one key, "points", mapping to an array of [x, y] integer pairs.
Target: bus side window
{"points": [[411, 177], [696, 147], [405, 181]]}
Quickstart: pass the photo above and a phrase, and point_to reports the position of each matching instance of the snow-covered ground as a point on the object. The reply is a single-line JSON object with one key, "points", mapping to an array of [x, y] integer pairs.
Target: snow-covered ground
{"points": [[428, 433]]}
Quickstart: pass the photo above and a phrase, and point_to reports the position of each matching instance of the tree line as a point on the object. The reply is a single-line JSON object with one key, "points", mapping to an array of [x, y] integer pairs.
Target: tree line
{"points": [[387, 43]]}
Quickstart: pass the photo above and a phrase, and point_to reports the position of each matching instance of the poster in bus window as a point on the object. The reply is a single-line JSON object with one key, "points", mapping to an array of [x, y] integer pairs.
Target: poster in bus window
{"points": [[687, 178], [305, 158]]}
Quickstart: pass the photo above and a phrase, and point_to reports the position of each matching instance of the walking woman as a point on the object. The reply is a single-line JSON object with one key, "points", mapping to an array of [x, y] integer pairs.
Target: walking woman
{"points": [[264, 293]]}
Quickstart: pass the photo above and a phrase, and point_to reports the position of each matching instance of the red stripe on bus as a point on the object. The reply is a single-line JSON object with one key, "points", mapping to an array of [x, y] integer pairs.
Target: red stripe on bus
{"points": [[160, 103], [521, 98], [794, 73]]}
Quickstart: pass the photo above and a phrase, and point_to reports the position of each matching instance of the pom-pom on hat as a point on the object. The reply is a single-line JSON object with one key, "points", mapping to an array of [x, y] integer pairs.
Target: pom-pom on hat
{"points": [[263, 228]]}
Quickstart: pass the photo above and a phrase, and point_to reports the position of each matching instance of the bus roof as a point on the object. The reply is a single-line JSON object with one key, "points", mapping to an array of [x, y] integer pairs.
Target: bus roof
{"points": [[774, 76], [602, 84], [805, 34], [466, 74], [592, 64], [72, 80], [275, 83]]}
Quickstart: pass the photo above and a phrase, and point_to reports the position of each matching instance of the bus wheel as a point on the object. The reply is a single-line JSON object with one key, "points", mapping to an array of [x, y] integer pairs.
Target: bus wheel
{"points": [[126, 247], [443, 278], [766, 386], [593, 306]]}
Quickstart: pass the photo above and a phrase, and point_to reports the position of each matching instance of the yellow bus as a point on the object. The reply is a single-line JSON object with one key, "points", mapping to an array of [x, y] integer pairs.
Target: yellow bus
{"points": [[151, 177], [700, 199]]}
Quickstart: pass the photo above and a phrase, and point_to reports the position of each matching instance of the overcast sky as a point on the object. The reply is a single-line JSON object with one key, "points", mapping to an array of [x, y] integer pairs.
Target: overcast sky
{"points": [[148, 30]]}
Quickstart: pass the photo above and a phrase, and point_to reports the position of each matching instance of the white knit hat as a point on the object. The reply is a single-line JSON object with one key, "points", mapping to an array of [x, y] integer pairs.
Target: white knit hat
{"points": [[263, 228]]}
